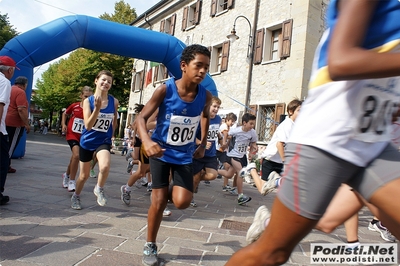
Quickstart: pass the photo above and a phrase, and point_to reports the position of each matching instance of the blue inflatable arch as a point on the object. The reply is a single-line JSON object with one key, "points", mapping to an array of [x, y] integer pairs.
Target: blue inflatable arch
{"points": [[54, 39]]}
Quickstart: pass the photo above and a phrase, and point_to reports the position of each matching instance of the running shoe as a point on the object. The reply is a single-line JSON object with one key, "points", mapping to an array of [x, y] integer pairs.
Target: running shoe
{"points": [[193, 203], [125, 195], [93, 173], [234, 191], [207, 182], [166, 212], [65, 180], [76, 202], [129, 166], [385, 233], [150, 257], [71, 186], [219, 176], [258, 225], [270, 185], [101, 198], [149, 187], [226, 188], [243, 199], [246, 170]]}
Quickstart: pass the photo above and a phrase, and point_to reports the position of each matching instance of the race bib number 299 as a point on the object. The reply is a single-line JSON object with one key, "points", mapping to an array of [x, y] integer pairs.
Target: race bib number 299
{"points": [[182, 130]]}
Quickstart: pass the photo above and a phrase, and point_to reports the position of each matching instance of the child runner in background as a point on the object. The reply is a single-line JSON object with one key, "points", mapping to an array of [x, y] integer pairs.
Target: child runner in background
{"points": [[206, 168], [100, 119], [182, 104], [273, 156], [240, 138], [230, 120], [73, 135]]}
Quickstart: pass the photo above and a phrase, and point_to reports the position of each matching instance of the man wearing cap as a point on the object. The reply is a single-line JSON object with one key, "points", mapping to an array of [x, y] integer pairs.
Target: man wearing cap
{"points": [[17, 119], [7, 68]]}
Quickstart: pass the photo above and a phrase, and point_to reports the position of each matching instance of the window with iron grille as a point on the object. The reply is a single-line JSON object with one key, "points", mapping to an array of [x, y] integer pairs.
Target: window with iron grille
{"points": [[266, 123]]}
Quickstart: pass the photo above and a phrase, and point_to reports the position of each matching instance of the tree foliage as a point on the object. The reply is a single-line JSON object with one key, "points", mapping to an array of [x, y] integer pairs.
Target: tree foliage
{"points": [[60, 84], [7, 31]]}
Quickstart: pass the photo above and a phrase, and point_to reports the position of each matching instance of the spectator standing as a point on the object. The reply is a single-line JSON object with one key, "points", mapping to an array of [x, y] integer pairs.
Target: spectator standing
{"points": [[17, 119], [7, 68]]}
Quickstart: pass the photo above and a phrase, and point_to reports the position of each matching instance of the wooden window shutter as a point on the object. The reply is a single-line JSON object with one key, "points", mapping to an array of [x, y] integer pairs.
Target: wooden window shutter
{"points": [[258, 46], [197, 12], [230, 4], [225, 56], [286, 38], [213, 8], [184, 18], [162, 25], [279, 110], [165, 72], [253, 110], [155, 78], [172, 27]]}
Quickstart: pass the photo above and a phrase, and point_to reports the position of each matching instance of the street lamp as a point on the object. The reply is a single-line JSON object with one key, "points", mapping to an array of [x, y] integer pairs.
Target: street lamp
{"points": [[233, 37]]}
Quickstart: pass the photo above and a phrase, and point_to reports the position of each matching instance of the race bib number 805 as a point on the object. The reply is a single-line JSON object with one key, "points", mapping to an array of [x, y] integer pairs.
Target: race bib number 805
{"points": [[182, 130]]}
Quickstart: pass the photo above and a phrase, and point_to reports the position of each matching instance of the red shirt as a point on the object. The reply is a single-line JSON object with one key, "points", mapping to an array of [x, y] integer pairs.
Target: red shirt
{"points": [[75, 123], [17, 99]]}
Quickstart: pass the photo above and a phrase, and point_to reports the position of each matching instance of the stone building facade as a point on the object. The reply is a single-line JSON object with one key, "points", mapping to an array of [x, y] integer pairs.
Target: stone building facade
{"points": [[268, 66]]}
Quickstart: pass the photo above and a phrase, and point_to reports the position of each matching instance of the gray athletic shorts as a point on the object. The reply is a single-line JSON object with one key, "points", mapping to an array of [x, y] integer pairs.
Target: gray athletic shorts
{"points": [[312, 176]]}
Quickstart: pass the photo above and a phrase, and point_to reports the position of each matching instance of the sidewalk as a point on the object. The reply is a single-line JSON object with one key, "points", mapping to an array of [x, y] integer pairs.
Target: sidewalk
{"points": [[38, 227]]}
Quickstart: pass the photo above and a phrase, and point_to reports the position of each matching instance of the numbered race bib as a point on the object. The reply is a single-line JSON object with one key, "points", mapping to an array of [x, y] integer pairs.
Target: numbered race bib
{"points": [[182, 130], [77, 125], [241, 148], [375, 104], [213, 132], [103, 122]]}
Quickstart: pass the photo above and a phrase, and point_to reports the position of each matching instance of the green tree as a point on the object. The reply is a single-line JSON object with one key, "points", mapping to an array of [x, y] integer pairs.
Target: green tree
{"points": [[123, 13], [7, 31], [61, 83]]}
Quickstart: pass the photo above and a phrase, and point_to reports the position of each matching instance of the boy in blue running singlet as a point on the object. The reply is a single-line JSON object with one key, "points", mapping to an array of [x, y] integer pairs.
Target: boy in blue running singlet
{"points": [[182, 104], [100, 120], [356, 73], [206, 168]]}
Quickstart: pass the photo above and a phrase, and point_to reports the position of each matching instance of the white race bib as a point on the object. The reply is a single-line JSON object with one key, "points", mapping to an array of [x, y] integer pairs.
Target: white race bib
{"points": [[103, 122], [77, 125], [241, 148], [213, 132], [375, 104], [182, 130]]}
